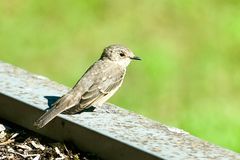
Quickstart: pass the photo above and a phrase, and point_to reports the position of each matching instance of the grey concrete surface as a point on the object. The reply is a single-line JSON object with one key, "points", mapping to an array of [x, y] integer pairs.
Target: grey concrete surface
{"points": [[109, 131]]}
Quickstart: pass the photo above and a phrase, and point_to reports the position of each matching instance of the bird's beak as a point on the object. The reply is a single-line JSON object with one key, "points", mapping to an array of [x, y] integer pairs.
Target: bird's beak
{"points": [[135, 58]]}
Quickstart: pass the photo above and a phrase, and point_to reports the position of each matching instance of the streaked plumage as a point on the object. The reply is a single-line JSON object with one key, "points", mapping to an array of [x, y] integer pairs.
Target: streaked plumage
{"points": [[96, 86]]}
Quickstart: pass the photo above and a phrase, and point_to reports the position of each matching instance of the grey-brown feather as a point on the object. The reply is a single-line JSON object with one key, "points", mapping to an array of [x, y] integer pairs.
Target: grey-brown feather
{"points": [[99, 80], [109, 76]]}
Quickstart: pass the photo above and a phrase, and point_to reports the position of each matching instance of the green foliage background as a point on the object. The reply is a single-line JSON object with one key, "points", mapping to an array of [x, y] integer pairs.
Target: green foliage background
{"points": [[190, 73]]}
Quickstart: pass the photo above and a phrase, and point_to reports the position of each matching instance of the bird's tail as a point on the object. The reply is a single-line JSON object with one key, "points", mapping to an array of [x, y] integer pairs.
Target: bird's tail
{"points": [[58, 107], [47, 117]]}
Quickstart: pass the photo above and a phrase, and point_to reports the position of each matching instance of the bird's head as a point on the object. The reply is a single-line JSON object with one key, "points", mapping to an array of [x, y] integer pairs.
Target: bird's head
{"points": [[119, 54]]}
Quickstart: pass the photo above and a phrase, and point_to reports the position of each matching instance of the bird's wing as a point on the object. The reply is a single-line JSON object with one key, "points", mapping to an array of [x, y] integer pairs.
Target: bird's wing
{"points": [[100, 89], [107, 81]]}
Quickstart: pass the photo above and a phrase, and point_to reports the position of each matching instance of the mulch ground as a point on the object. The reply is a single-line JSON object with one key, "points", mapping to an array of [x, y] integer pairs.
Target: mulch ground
{"points": [[18, 143]]}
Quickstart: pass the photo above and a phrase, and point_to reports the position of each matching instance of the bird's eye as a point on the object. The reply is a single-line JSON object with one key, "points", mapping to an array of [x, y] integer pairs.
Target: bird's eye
{"points": [[122, 54]]}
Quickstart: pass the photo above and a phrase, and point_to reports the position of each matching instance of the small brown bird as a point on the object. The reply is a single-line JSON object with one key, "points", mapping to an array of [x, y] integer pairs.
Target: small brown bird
{"points": [[96, 86]]}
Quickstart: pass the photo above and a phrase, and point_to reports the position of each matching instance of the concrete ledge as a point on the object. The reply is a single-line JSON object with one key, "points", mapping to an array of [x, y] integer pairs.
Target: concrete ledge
{"points": [[109, 131]]}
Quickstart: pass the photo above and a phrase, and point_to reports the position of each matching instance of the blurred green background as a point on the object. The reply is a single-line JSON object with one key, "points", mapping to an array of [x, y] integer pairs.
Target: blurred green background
{"points": [[190, 73]]}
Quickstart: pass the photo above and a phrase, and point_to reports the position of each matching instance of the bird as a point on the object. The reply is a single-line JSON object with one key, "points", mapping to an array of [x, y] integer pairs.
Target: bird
{"points": [[96, 86]]}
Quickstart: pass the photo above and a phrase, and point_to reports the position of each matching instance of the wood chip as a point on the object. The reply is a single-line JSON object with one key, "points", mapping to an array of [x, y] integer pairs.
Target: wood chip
{"points": [[2, 136], [24, 146], [7, 142], [37, 145], [62, 156], [2, 128], [14, 135], [37, 157]]}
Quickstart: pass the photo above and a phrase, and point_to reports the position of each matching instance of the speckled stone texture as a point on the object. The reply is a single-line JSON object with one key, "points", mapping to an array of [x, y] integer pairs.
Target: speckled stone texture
{"points": [[109, 131]]}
